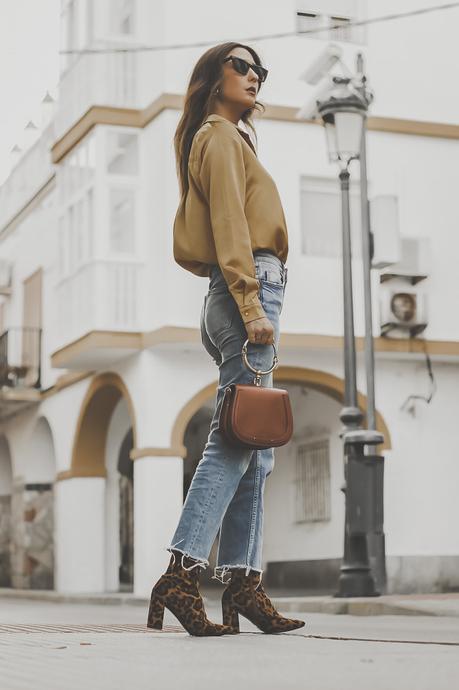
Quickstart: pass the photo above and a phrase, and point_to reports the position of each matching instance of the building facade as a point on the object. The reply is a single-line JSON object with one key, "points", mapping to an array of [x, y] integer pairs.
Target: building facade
{"points": [[107, 392]]}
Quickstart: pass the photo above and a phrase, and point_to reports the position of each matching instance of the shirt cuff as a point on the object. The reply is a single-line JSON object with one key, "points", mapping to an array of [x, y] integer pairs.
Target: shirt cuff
{"points": [[252, 312]]}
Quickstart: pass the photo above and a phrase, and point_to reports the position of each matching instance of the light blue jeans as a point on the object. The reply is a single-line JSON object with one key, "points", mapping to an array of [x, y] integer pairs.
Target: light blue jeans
{"points": [[226, 491]]}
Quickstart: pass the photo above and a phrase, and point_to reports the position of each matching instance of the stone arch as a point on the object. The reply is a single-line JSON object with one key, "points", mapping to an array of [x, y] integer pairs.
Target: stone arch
{"points": [[88, 453], [313, 378]]}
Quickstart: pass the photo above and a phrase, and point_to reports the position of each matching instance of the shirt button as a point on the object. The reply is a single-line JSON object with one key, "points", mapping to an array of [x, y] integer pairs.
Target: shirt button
{"points": [[246, 313]]}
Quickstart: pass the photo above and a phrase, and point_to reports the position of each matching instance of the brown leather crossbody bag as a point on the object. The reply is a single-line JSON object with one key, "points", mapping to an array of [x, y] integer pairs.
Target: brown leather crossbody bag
{"points": [[252, 416]]}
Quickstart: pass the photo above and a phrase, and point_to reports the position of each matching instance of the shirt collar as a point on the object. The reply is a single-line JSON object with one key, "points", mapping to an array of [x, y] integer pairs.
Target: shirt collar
{"points": [[215, 117]]}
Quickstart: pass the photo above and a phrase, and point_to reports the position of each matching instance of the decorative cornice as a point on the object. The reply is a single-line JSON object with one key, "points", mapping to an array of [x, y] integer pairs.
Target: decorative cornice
{"points": [[136, 340], [130, 117], [86, 474], [140, 118]]}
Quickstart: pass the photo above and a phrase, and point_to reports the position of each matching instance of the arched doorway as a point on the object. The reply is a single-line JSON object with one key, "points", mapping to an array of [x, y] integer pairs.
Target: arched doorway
{"points": [[126, 521], [119, 501], [6, 486], [100, 479]]}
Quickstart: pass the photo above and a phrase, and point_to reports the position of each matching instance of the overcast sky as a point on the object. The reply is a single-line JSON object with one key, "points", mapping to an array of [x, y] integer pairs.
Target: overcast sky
{"points": [[29, 66]]}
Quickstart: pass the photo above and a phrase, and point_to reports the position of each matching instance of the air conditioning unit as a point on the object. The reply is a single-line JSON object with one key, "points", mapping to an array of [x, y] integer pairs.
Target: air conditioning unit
{"points": [[414, 263], [403, 312], [6, 270]]}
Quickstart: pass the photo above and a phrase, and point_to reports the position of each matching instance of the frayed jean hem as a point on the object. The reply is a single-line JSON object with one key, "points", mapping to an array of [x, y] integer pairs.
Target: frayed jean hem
{"points": [[203, 562], [227, 566]]}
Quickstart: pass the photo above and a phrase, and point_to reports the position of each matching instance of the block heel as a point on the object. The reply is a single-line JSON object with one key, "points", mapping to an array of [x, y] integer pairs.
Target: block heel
{"points": [[155, 612], [230, 616]]}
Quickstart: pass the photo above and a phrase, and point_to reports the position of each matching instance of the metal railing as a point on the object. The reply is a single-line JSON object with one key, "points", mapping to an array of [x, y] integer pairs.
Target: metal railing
{"points": [[20, 357]]}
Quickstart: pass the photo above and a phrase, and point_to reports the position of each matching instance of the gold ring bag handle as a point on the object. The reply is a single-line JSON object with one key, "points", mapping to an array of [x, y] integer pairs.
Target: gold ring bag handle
{"points": [[258, 373], [255, 416]]}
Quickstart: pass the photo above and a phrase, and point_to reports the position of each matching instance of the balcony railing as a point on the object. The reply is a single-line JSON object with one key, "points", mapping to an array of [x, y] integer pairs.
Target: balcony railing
{"points": [[106, 79], [20, 357], [124, 80], [101, 295]]}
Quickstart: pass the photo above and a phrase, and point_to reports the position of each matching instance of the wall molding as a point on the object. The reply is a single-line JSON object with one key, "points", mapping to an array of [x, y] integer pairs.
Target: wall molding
{"points": [[131, 117], [154, 453], [413, 348]]}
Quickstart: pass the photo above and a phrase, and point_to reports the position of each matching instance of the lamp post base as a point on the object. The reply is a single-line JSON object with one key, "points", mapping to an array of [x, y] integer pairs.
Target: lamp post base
{"points": [[356, 578]]}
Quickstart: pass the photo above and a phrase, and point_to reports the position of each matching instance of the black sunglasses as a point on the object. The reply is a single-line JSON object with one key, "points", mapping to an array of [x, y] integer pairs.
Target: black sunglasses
{"points": [[242, 66]]}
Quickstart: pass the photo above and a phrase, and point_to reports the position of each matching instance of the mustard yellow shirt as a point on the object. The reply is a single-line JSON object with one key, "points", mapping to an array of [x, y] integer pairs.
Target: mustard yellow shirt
{"points": [[231, 209]]}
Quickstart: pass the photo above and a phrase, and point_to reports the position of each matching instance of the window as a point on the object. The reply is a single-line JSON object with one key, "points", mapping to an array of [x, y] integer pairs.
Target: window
{"points": [[69, 32], [342, 31], [122, 153], [321, 227], [62, 246], [90, 221], [122, 220], [324, 14], [123, 17], [312, 482], [80, 248], [306, 21], [71, 238]]}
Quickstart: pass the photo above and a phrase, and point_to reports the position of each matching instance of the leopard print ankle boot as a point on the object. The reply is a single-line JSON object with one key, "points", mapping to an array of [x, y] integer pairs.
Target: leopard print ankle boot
{"points": [[245, 595], [178, 590]]}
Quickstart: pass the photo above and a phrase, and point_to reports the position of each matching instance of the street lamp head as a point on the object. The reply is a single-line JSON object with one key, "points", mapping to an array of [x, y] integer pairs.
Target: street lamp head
{"points": [[343, 114], [322, 65]]}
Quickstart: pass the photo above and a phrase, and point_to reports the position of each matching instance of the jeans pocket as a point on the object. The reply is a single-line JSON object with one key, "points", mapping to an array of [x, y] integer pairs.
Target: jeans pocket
{"points": [[271, 295], [269, 273]]}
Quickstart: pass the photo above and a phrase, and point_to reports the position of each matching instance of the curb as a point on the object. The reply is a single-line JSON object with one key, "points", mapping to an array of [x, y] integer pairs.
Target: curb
{"points": [[355, 606], [351, 607]]}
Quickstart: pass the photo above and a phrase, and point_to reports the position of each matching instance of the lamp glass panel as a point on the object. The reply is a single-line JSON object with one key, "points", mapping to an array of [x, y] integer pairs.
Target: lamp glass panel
{"points": [[348, 134], [330, 133]]}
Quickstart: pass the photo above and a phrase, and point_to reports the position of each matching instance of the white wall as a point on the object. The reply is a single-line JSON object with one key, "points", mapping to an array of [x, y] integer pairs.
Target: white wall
{"points": [[411, 61]]}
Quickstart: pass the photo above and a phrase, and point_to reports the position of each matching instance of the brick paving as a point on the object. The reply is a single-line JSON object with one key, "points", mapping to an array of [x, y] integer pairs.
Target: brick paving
{"points": [[105, 628]]}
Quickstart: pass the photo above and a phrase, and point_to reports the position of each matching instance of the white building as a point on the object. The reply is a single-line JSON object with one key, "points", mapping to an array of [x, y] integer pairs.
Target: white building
{"points": [[101, 358]]}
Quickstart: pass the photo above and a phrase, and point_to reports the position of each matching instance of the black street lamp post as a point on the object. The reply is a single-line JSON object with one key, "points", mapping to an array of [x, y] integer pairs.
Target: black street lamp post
{"points": [[376, 538], [343, 113]]}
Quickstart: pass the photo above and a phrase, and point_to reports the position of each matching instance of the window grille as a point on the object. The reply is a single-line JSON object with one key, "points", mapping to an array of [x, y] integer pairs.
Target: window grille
{"points": [[313, 482]]}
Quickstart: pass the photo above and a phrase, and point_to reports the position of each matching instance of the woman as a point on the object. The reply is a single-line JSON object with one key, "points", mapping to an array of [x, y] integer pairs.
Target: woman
{"points": [[230, 227]]}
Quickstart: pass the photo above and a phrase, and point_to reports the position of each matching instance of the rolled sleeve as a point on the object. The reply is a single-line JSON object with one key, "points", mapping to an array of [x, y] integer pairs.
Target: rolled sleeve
{"points": [[223, 181]]}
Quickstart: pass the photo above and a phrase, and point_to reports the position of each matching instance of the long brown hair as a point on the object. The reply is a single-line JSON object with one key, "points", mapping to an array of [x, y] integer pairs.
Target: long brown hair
{"points": [[205, 78]]}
